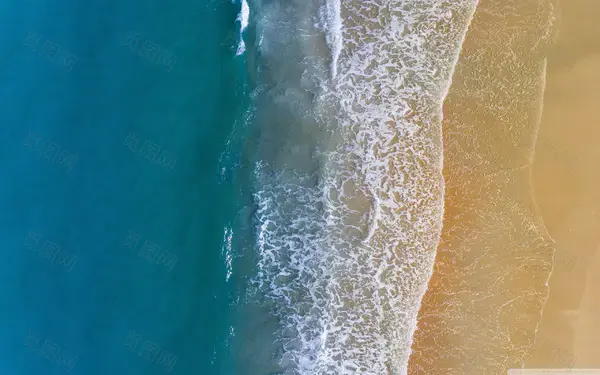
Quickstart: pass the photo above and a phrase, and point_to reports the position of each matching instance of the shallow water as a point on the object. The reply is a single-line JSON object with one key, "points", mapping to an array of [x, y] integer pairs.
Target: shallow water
{"points": [[347, 189]]}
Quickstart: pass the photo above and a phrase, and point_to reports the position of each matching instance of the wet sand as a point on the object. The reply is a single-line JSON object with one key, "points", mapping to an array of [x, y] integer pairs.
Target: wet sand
{"points": [[484, 301], [567, 189], [509, 205]]}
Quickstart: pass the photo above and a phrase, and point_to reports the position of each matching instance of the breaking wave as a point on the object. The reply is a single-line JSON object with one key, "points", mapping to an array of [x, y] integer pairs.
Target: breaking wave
{"points": [[243, 18]]}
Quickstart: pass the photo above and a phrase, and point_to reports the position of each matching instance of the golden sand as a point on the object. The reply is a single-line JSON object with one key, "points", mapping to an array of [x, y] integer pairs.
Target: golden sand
{"points": [[484, 301], [508, 208], [567, 188]]}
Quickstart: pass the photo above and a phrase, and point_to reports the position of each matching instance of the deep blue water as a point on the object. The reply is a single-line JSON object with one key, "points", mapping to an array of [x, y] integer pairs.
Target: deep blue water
{"points": [[119, 153]]}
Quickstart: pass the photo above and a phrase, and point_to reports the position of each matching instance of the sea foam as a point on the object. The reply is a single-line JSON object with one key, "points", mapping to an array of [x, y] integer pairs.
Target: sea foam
{"points": [[332, 19], [349, 209], [243, 18]]}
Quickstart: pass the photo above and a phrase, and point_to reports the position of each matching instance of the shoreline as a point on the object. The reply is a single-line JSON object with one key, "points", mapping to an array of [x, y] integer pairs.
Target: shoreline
{"points": [[489, 285]]}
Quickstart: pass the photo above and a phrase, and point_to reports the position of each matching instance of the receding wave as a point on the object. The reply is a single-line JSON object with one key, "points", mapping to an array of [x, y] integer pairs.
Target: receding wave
{"points": [[348, 182]]}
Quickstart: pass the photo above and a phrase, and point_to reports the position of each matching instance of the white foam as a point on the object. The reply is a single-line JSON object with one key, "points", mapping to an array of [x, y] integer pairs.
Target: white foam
{"points": [[333, 21], [227, 251], [347, 261], [243, 18]]}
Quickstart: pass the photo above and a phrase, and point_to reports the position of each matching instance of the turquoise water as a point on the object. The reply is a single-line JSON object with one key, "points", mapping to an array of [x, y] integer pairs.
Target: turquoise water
{"points": [[114, 258]]}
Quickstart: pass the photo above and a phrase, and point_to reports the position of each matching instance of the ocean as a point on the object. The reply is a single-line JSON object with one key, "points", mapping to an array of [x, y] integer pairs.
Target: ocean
{"points": [[118, 149], [219, 187]]}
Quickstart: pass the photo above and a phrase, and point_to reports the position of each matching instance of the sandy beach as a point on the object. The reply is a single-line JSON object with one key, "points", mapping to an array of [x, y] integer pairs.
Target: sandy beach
{"points": [[566, 180], [489, 286], [517, 275]]}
